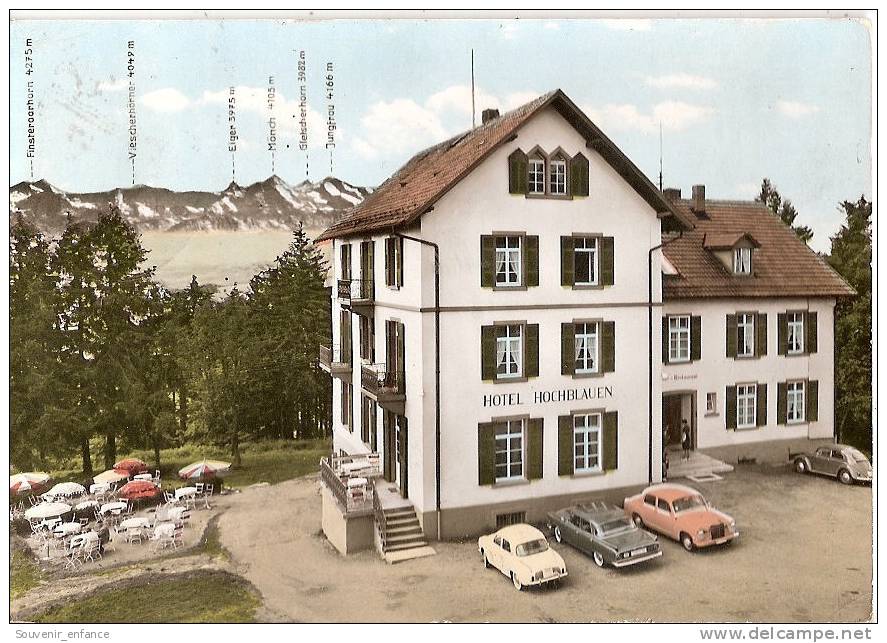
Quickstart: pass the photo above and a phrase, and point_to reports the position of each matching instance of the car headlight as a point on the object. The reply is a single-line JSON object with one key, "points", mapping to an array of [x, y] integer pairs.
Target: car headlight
{"points": [[537, 576], [700, 533], [732, 525]]}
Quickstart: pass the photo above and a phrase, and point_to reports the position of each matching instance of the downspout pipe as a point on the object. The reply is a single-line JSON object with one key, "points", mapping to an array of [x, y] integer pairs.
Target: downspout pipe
{"points": [[425, 242], [650, 353]]}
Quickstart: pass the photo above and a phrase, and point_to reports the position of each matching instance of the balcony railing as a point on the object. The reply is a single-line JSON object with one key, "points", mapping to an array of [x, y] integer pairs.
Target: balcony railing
{"points": [[350, 479], [355, 290], [381, 381], [333, 360]]}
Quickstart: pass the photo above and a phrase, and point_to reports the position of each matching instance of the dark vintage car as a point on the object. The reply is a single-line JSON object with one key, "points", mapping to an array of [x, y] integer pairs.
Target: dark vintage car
{"points": [[605, 533], [839, 461]]}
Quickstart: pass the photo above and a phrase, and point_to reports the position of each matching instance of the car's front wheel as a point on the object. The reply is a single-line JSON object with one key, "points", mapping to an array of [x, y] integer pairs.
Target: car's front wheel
{"points": [[638, 521], [598, 559], [800, 465], [557, 534], [687, 541], [845, 477], [486, 560], [516, 582]]}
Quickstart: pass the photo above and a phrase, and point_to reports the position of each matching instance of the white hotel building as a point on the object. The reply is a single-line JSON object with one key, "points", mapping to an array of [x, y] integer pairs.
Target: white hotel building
{"points": [[518, 313]]}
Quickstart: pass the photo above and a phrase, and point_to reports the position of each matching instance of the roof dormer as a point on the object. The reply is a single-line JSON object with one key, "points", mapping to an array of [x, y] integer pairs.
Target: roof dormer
{"points": [[735, 250]]}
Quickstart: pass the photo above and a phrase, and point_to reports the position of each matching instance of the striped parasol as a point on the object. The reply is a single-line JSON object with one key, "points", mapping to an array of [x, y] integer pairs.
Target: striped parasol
{"points": [[47, 510], [66, 490], [131, 466], [205, 469], [32, 481], [111, 476]]}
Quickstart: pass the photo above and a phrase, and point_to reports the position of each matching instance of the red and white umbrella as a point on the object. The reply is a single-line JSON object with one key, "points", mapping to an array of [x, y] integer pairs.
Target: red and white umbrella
{"points": [[131, 466], [111, 476], [139, 489], [33, 481], [66, 490], [205, 469]]}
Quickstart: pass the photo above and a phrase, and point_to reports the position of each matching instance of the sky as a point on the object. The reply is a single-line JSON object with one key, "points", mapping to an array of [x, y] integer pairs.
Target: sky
{"points": [[737, 100]]}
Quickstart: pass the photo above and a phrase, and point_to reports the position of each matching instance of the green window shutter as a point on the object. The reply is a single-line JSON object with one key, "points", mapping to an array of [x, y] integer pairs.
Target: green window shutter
{"points": [[761, 410], [607, 274], [665, 340], [811, 333], [730, 408], [732, 337], [781, 334], [487, 261], [531, 350], [608, 347], [782, 403], [486, 453], [345, 340], [531, 253], [389, 261], [811, 398], [565, 459], [534, 449], [611, 441], [568, 348], [695, 337], [388, 437], [404, 458], [761, 334], [517, 172], [579, 175], [488, 352], [398, 267], [568, 266]]}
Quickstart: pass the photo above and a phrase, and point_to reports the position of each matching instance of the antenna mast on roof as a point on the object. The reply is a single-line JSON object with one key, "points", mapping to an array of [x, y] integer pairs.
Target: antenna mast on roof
{"points": [[660, 156], [472, 90]]}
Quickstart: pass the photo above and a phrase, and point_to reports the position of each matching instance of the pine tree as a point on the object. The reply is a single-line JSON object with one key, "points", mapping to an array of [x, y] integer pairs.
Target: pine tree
{"points": [[784, 209]]}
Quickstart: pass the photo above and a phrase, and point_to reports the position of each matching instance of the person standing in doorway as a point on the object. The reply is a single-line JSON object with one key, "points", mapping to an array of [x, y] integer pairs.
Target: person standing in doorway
{"points": [[685, 439]]}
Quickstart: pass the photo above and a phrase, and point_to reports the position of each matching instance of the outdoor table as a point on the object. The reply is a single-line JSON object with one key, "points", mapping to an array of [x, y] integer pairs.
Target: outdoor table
{"points": [[185, 492], [136, 522], [50, 523], [164, 529], [176, 513], [79, 540], [115, 508], [99, 487], [67, 529], [86, 504], [356, 482], [143, 476]]}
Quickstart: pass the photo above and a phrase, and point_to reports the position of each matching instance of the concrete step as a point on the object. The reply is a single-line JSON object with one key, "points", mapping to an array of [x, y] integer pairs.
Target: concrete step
{"points": [[403, 529], [413, 544], [401, 522], [403, 538], [397, 511], [399, 556]]}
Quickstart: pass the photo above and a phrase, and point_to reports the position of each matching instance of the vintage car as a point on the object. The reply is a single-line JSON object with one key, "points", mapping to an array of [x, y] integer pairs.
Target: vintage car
{"points": [[839, 461], [522, 553], [680, 513], [604, 533]]}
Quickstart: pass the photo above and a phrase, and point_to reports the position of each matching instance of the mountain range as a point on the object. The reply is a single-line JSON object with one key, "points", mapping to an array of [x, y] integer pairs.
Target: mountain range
{"points": [[272, 204]]}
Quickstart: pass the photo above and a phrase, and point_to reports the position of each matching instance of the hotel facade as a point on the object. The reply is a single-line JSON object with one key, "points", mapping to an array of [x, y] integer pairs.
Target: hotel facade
{"points": [[521, 319]]}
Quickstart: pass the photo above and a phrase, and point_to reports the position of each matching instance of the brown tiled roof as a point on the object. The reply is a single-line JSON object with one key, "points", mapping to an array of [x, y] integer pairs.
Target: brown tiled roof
{"points": [[783, 265], [426, 177], [726, 240]]}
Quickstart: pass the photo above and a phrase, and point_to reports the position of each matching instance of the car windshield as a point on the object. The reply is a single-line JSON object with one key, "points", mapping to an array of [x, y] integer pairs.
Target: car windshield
{"points": [[531, 547], [612, 526], [687, 503], [856, 456]]}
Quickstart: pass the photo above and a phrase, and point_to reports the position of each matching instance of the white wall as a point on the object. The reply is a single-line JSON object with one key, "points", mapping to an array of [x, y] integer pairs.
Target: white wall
{"points": [[715, 371]]}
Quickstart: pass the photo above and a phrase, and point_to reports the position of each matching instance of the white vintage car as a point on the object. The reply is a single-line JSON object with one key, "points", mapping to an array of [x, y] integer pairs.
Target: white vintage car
{"points": [[522, 553]]}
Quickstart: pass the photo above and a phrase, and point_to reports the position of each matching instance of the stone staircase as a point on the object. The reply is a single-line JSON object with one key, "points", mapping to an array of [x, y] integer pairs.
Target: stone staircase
{"points": [[698, 466], [401, 534]]}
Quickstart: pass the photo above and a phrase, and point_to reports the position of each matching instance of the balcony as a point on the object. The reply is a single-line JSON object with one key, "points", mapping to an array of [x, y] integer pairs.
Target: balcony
{"points": [[358, 294], [349, 479], [385, 386], [332, 360]]}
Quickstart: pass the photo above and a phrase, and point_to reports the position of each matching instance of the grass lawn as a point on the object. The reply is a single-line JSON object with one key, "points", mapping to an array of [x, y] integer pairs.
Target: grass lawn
{"points": [[269, 461], [23, 574], [206, 597]]}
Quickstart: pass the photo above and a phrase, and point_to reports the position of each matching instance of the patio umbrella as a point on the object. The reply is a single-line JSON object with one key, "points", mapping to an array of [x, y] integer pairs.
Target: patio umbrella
{"points": [[111, 476], [131, 466], [34, 481], [205, 469], [139, 489], [47, 510], [66, 489]]}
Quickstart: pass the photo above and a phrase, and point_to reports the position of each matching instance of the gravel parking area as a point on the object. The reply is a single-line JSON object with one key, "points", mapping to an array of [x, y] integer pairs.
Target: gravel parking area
{"points": [[804, 555]]}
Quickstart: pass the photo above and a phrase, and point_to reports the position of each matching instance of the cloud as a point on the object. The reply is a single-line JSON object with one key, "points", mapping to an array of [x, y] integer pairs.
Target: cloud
{"points": [[628, 24], [167, 99], [508, 30], [681, 81], [457, 98], [794, 109], [749, 189], [674, 116], [396, 127], [112, 85]]}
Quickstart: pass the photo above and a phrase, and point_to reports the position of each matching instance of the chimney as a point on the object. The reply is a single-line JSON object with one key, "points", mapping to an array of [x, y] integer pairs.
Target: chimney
{"points": [[698, 198], [487, 115], [672, 194]]}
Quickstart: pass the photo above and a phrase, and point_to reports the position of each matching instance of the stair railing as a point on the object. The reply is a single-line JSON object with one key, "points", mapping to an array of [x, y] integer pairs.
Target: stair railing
{"points": [[380, 517]]}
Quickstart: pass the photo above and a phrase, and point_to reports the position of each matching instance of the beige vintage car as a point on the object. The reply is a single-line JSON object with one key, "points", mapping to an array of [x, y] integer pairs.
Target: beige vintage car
{"points": [[521, 552]]}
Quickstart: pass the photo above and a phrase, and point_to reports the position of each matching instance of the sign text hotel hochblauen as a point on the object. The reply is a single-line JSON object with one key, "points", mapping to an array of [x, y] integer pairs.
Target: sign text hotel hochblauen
{"points": [[546, 397]]}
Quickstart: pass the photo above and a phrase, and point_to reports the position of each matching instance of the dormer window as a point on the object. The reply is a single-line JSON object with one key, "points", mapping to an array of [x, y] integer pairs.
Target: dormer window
{"points": [[557, 176], [742, 261], [538, 173]]}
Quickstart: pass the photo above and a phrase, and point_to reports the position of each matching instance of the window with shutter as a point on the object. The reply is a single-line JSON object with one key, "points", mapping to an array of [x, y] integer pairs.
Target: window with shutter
{"points": [[761, 405], [795, 404], [568, 348], [345, 261], [811, 332], [486, 453], [509, 450], [732, 336], [532, 259], [389, 261], [812, 402], [665, 339], [517, 172], [488, 352], [586, 261], [568, 275], [782, 403], [781, 334], [509, 264], [761, 334], [557, 175], [535, 443], [536, 174], [587, 439], [730, 407], [487, 261], [695, 337], [611, 441], [531, 350], [607, 261], [608, 347], [579, 175]]}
